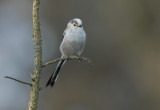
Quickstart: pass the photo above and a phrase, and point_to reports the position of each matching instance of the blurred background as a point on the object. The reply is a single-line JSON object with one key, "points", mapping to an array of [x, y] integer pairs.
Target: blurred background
{"points": [[122, 40]]}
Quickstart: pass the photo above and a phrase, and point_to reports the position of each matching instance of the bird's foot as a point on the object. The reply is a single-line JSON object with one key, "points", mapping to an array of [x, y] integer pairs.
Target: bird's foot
{"points": [[79, 58]]}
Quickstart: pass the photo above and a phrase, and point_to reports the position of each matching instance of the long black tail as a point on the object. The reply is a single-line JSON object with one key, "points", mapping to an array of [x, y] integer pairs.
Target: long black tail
{"points": [[55, 74]]}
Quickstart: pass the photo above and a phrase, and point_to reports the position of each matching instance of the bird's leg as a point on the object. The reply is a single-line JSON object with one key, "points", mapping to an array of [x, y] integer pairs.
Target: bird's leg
{"points": [[79, 58], [67, 57]]}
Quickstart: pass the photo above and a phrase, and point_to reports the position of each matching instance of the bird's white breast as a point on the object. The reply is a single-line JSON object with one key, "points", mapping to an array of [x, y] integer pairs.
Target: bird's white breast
{"points": [[73, 42]]}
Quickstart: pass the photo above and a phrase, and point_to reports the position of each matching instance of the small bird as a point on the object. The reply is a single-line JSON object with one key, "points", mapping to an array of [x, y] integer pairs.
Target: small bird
{"points": [[72, 45]]}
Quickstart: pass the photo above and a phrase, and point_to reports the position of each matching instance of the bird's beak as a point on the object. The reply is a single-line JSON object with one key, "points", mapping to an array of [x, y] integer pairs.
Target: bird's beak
{"points": [[80, 26]]}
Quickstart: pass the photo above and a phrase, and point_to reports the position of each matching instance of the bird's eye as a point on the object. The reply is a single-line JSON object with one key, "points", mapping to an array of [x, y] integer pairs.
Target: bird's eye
{"points": [[74, 25]]}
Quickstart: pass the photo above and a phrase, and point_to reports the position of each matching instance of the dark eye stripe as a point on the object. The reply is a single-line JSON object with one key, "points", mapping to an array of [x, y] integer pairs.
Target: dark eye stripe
{"points": [[73, 21]]}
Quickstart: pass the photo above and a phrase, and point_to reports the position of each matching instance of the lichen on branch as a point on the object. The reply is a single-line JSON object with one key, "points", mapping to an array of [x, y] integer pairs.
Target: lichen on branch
{"points": [[37, 40]]}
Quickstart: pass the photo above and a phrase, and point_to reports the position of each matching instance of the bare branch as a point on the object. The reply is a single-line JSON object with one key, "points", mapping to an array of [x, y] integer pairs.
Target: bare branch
{"points": [[18, 80], [37, 40], [69, 58]]}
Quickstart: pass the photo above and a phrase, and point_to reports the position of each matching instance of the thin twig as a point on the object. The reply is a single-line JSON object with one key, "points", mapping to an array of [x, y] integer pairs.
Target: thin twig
{"points": [[69, 58], [18, 80]]}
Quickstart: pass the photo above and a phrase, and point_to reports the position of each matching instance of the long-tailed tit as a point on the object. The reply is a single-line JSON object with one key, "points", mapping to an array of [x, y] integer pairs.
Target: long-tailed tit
{"points": [[72, 45]]}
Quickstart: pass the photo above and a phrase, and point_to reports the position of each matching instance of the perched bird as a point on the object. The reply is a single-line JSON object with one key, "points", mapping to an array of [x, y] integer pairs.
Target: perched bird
{"points": [[72, 45]]}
